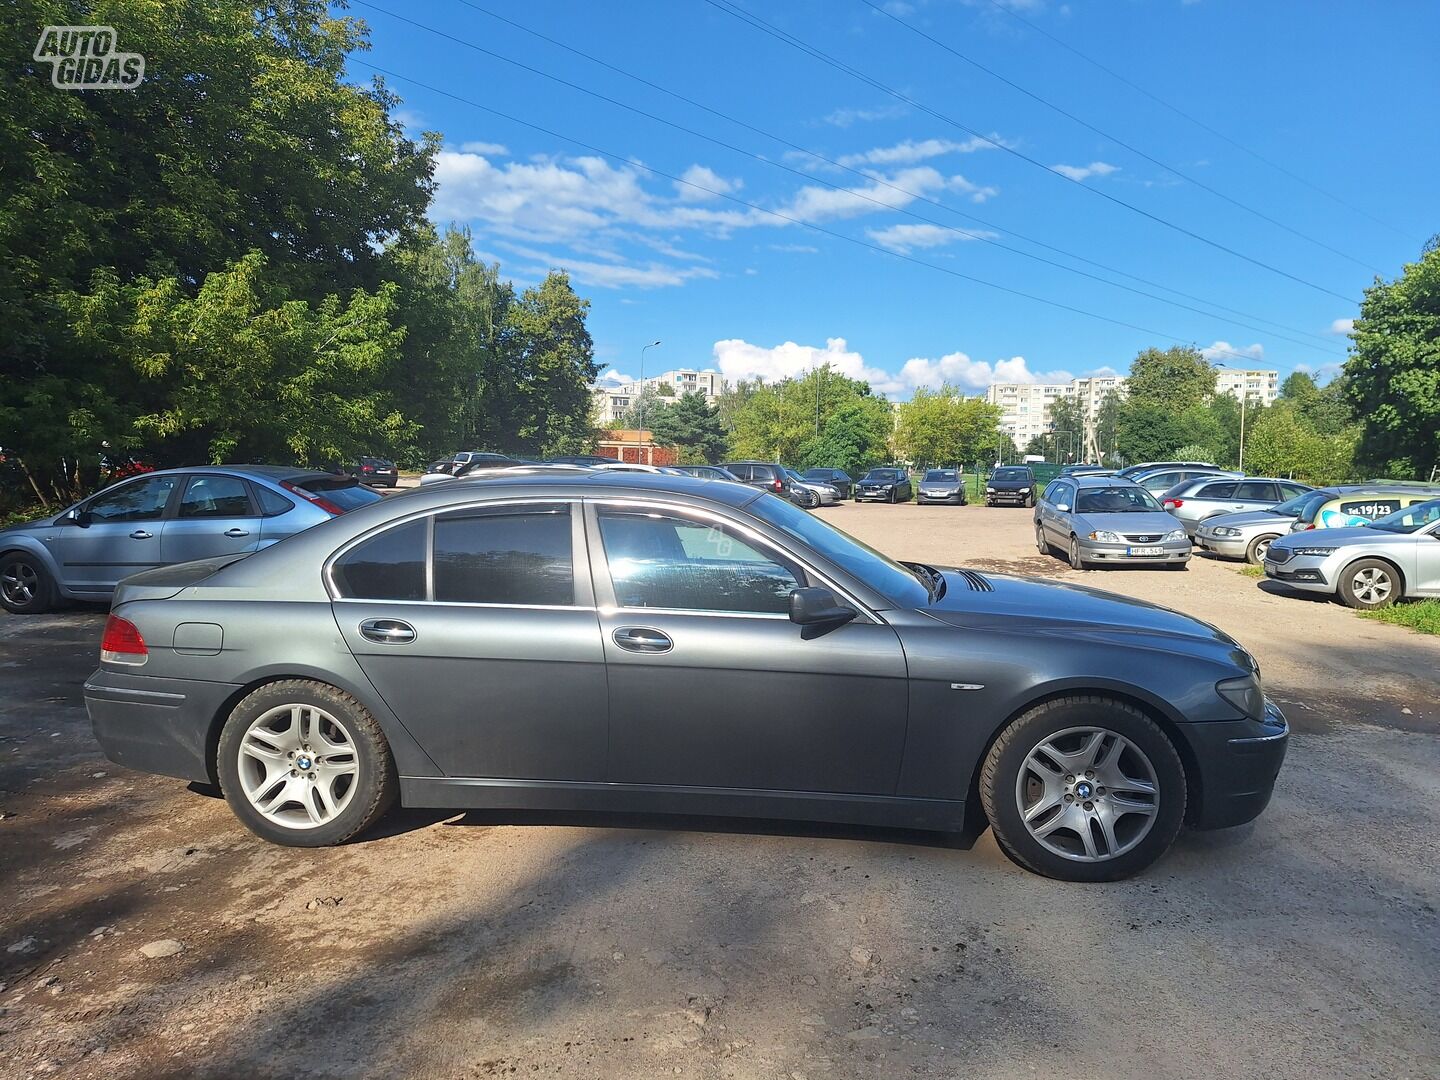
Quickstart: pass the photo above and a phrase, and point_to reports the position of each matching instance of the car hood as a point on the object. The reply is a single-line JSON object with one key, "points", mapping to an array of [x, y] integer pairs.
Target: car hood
{"points": [[1031, 605], [1355, 534], [1247, 518], [1141, 521]]}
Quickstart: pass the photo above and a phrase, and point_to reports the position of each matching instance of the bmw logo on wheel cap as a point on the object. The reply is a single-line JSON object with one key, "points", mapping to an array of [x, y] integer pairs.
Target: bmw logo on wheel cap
{"points": [[1082, 789]]}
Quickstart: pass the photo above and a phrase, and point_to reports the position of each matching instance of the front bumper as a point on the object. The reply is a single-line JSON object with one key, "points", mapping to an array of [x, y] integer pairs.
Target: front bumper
{"points": [[1232, 547], [155, 725], [875, 494], [1019, 498], [1238, 762], [1095, 551], [953, 498], [1304, 572]]}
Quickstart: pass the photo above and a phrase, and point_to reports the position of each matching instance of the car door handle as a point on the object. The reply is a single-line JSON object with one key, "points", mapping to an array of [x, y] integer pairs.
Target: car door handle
{"points": [[140, 534], [643, 640], [237, 533], [387, 631]]}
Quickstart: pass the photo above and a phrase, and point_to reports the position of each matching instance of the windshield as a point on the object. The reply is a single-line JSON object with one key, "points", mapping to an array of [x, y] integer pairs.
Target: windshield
{"points": [[1409, 520], [816, 474], [939, 476], [1291, 507], [878, 571], [883, 474], [1011, 474], [1115, 500]]}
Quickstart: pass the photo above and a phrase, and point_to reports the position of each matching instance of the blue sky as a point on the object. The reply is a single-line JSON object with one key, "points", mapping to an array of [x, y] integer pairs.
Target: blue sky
{"points": [[930, 165]]}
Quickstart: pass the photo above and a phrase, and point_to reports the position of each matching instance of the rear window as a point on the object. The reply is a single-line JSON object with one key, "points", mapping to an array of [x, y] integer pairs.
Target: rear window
{"points": [[344, 491], [1218, 491]]}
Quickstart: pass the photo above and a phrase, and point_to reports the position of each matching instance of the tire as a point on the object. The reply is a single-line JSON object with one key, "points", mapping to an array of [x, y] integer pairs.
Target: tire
{"points": [[26, 587], [1012, 782], [361, 787], [1041, 544], [1076, 562], [1029, 501], [1370, 584], [1177, 566], [892, 498], [1255, 553]]}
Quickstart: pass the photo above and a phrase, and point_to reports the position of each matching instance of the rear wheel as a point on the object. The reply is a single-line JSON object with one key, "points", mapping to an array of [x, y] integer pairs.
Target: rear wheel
{"points": [[304, 764], [25, 586], [1369, 584], [1083, 789], [1255, 553]]}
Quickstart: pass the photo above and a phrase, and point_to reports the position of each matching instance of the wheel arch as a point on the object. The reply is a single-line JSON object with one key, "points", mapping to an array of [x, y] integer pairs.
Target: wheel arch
{"points": [[1154, 710]]}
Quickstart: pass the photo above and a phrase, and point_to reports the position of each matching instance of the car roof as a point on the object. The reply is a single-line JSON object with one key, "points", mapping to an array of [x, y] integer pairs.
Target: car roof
{"points": [[1087, 480], [262, 472], [569, 481]]}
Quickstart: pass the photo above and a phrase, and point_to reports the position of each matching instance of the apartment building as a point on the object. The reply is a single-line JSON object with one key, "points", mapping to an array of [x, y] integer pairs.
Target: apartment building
{"points": [[1259, 385], [612, 402], [1025, 407]]}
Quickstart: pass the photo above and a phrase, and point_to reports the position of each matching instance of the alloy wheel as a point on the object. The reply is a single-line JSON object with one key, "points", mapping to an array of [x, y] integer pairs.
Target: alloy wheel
{"points": [[19, 582], [1087, 794], [298, 766], [1261, 547], [1372, 585]]}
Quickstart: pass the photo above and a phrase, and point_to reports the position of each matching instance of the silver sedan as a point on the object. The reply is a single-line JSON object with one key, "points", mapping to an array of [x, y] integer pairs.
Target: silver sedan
{"points": [[1248, 535], [1369, 566]]}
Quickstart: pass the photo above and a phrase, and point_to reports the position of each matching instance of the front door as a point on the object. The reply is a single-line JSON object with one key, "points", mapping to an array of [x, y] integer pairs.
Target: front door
{"points": [[118, 534], [216, 516], [711, 684], [489, 654]]}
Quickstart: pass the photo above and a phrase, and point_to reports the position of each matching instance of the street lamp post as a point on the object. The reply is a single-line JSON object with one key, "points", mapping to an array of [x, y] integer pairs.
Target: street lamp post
{"points": [[640, 434]]}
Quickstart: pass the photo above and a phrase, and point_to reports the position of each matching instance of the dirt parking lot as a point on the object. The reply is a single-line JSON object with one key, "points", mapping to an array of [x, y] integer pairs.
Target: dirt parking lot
{"points": [[1305, 945]]}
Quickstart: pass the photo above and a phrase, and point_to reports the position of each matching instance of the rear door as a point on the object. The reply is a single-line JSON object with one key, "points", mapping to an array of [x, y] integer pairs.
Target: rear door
{"points": [[478, 628], [216, 515], [121, 534], [1255, 495]]}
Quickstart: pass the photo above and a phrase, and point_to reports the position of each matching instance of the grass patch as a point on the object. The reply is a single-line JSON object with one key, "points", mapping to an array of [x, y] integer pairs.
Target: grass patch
{"points": [[1423, 616], [1252, 571]]}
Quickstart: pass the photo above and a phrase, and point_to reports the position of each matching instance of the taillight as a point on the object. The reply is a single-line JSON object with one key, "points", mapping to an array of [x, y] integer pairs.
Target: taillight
{"points": [[778, 485], [310, 497], [121, 643], [1174, 504], [1308, 527], [367, 468]]}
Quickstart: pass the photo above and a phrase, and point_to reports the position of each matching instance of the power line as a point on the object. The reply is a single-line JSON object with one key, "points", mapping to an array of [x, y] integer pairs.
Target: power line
{"points": [[966, 234], [789, 39], [631, 163], [1201, 124], [1115, 138]]}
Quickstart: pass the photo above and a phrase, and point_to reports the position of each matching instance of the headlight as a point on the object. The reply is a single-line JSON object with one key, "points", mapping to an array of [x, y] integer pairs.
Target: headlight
{"points": [[1174, 536], [1313, 550], [1245, 694], [989, 490], [1225, 530], [1107, 537]]}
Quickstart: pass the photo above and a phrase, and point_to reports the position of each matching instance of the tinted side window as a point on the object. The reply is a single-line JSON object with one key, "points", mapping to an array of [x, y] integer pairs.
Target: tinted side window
{"points": [[215, 496], [525, 557], [1049, 495], [1289, 491], [1218, 491], [272, 503], [671, 562], [390, 566], [144, 500], [1256, 491], [761, 472]]}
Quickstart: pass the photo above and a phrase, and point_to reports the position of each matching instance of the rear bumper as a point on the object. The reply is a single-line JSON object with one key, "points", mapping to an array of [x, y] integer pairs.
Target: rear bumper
{"points": [[155, 725], [1239, 761]]}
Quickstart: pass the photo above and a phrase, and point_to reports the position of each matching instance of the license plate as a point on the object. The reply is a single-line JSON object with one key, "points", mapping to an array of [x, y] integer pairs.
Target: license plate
{"points": [[1145, 551]]}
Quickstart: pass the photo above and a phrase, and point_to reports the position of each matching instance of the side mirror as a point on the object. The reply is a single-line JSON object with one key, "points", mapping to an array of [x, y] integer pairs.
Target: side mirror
{"points": [[817, 610], [1064, 508], [78, 516]]}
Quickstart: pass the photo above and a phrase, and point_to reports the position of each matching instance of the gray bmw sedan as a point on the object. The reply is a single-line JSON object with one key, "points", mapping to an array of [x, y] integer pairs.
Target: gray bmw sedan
{"points": [[600, 641]]}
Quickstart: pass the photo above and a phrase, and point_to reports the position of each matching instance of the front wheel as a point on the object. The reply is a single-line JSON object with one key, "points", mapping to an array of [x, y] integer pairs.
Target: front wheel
{"points": [[1041, 544], [304, 764], [1077, 562], [1255, 553], [25, 585], [1083, 789], [1369, 585]]}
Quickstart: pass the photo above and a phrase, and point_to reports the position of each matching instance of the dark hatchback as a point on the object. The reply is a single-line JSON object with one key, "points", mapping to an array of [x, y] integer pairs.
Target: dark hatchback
{"points": [[375, 472], [596, 641], [884, 485], [839, 479], [1013, 484]]}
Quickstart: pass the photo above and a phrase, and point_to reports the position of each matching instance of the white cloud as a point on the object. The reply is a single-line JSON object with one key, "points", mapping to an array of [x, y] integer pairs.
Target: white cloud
{"points": [[796, 249], [611, 377], [960, 370], [1084, 172], [738, 359], [485, 149], [845, 117], [814, 203], [1224, 352], [1342, 326], [911, 151], [612, 274], [698, 177], [907, 238]]}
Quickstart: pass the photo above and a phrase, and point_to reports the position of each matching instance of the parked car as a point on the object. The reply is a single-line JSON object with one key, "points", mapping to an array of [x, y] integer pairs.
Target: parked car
{"points": [[444, 465], [810, 494], [1248, 535], [941, 486], [1355, 505], [1013, 484], [160, 518], [1200, 498], [578, 459], [767, 475], [1159, 481], [884, 485], [663, 644], [376, 472], [469, 463], [708, 472], [483, 458], [839, 479], [1103, 520], [1368, 566], [1086, 470], [1130, 472]]}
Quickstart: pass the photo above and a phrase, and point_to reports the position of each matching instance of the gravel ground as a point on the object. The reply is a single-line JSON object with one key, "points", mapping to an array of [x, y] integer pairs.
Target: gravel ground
{"points": [[1304, 945]]}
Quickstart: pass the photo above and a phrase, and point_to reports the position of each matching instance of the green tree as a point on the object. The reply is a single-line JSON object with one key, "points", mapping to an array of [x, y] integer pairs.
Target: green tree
{"points": [[944, 427], [1067, 421], [548, 358], [1107, 424], [787, 419], [1173, 379], [1147, 432], [1281, 443], [692, 427], [1393, 374], [646, 406]]}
